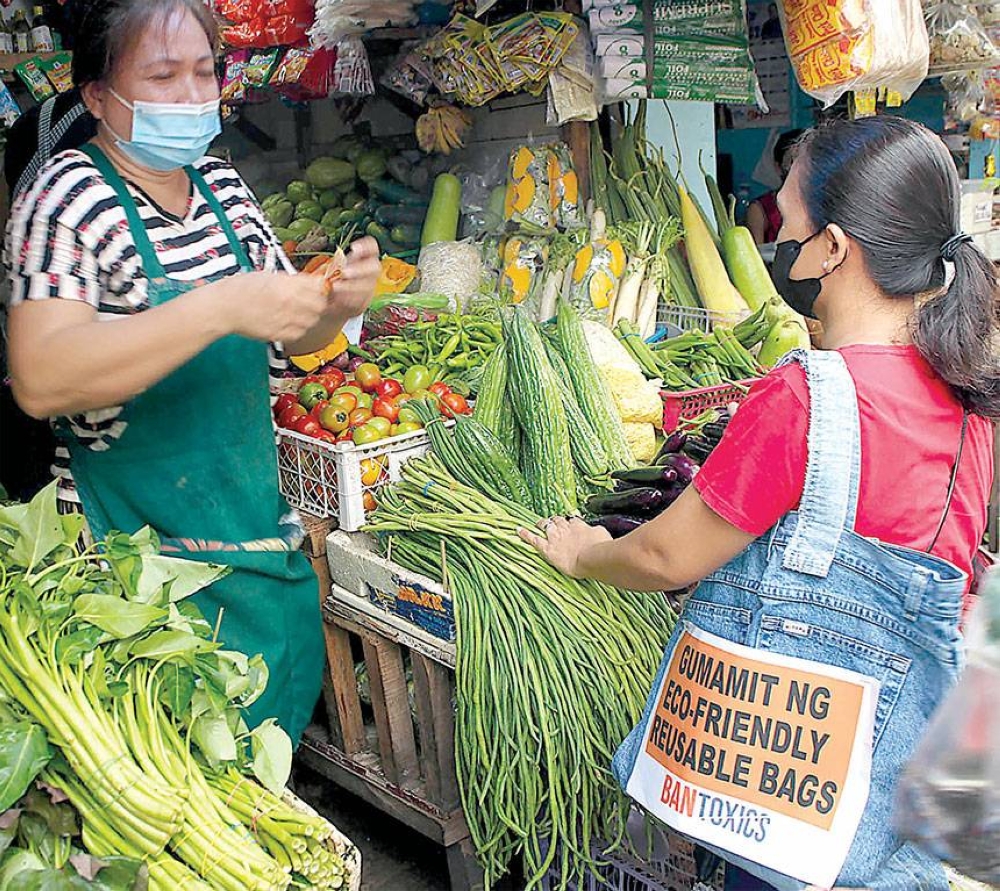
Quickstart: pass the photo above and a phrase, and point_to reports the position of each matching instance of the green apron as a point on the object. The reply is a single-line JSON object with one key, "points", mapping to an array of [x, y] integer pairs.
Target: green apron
{"points": [[197, 463]]}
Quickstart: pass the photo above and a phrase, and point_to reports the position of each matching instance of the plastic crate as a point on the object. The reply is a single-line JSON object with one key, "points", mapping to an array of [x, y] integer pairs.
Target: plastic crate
{"points": [[326, 480], [684, 404], [688, 318], [677, 871]]}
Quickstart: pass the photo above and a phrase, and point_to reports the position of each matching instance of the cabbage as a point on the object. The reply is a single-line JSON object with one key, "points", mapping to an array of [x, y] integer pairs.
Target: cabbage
{"points": [[298, 191], [309, 210]]}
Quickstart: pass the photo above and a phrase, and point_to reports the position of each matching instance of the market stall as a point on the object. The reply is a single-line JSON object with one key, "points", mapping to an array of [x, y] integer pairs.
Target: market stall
{"points": [[564, 318]]}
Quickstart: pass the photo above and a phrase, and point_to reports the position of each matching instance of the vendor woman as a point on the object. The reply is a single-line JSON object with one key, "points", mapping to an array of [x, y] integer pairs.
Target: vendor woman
{"points": [[146, 290], [839, 517]]}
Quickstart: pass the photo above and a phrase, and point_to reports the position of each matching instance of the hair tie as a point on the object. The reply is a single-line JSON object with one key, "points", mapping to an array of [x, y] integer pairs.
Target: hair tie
{"points": [[951, 246]]}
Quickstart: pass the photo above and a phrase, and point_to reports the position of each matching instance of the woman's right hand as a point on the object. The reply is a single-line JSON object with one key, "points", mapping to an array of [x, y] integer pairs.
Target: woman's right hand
{"points": [[275, 306]]}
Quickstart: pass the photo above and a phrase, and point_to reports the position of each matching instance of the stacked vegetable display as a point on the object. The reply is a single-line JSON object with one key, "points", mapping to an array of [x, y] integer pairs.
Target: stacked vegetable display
{"points": [[116, 694], [361, 189], [551, 672]]}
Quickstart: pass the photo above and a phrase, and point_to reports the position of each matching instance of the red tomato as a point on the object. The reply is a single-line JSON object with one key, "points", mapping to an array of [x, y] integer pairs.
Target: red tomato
{"points": [[307, 426], [440, 389], [454, 404], [388, 388], [333, 380], [291, 415], [360, 416], [282, 402], [386, 408], [367, 376], [317, 409], [325, 436]]}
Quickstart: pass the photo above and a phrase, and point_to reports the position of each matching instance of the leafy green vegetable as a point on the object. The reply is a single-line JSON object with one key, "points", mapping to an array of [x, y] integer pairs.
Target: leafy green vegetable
{"points": [[24, 751]]}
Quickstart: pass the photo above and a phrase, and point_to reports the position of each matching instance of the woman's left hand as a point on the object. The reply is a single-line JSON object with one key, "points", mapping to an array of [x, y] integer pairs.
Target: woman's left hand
{"points": [[565, 539], [352, 291]]}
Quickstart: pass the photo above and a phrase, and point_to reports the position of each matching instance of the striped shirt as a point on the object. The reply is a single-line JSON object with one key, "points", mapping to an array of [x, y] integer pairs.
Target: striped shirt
{"points": [[68, 238]]}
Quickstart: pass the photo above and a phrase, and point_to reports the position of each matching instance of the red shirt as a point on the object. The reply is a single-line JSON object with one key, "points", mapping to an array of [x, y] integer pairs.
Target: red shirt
{"points": [[910, 427]]}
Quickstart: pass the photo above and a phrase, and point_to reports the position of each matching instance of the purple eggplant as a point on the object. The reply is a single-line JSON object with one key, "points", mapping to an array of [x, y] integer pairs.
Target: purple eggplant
{"points": [[617, 524], [644, 502], [654, 475], [685, 468], [673, 444]]}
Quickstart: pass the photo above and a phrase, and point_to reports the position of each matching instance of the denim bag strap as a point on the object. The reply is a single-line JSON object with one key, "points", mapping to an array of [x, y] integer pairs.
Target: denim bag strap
{"points": [[833, 470]]}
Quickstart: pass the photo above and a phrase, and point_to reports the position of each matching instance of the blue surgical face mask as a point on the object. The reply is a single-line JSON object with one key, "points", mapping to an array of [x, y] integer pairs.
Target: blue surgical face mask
{"points": [[169, 135]]}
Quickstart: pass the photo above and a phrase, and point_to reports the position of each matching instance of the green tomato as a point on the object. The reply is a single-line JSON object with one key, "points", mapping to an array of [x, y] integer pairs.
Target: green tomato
{"points": [[416, 378], [350, 388], [408, 416], [365, 400], [381, 424], [311, 394], [407, 427], [367, 433]]}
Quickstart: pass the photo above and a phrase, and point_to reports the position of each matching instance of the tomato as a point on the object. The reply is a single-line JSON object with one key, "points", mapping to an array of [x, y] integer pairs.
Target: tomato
{"points": [[407, 427], [310, 394], [382, 424], [454, 404], [440, 389], [350, 388], [318, 408], [365, 400], [325, 436], [428, 395], [307, 426], [368, 500], [360, 416], [291, 414], [346, 436], [416, 378], [283, 402], [366, 434], [388, 388], [408, 416], [335, 419], [333, 380], [402, 399], [386, 408], [344, 401], [367, 376]]}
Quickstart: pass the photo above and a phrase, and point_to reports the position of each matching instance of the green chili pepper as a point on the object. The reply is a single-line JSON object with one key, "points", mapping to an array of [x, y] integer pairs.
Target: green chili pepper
{"points": [[449, 348]]}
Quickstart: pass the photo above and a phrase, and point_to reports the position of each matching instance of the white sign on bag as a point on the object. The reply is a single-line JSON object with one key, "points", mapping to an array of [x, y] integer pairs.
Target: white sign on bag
{"points": [[763, 755]]}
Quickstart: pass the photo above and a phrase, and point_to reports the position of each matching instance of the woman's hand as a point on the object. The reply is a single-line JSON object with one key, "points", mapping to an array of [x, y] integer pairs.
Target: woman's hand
{"points": [[353, 291], [565, 539], [275, 306]]}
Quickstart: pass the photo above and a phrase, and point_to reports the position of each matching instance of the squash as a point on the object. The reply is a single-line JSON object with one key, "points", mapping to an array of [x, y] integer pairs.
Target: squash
{"points": [[396, 276], [311, 361]]}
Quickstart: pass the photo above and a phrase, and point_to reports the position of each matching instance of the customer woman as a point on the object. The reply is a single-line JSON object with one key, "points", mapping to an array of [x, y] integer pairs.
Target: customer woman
{"points": [[146, 288], [839, 517]]}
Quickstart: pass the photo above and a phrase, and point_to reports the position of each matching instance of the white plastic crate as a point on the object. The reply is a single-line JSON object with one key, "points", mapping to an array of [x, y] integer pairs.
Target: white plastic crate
{"points": [[687, 318], [326, 480]]}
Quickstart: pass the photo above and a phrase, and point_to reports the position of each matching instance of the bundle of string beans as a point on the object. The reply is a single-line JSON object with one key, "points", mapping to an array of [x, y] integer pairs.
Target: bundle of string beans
{"points": [[551, 674]]}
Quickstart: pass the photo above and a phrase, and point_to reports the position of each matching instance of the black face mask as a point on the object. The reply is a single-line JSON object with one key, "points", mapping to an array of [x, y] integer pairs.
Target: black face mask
{"points": [[799, 293]]}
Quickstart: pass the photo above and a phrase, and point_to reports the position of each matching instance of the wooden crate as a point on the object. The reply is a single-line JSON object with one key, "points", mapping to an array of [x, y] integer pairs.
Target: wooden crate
{"points": [[397, 757]]}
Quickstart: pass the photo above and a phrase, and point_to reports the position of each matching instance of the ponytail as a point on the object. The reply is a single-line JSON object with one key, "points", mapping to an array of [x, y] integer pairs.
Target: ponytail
{"points": [[956, 330], [892, 185]]}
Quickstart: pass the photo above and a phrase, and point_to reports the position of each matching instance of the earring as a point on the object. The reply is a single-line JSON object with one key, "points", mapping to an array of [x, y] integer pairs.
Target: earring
{"points": [[826, 264]]}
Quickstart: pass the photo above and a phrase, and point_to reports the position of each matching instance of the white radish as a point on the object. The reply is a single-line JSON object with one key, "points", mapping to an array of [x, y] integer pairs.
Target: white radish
{"points": [[550, 292], [649, 298], [627, 303]]}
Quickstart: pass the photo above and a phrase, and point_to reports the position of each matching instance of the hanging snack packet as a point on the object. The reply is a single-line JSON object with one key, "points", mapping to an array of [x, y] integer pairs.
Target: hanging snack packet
{"points": [[564, 189], [291, 67], [35, 80], [234, 84], [523, 267], [261, 67], [59, 70], [597, 271], [9, 110], [527, 204]]}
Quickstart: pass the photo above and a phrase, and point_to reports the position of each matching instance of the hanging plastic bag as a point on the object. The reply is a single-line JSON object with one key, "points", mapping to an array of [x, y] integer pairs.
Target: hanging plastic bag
{"points": [[527, 204], [596, 273], [958, 38], [948, 799], [837, 46]]}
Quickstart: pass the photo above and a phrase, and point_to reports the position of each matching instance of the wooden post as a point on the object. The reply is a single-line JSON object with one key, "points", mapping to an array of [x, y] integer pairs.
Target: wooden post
{"points": [[576, 135]]}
